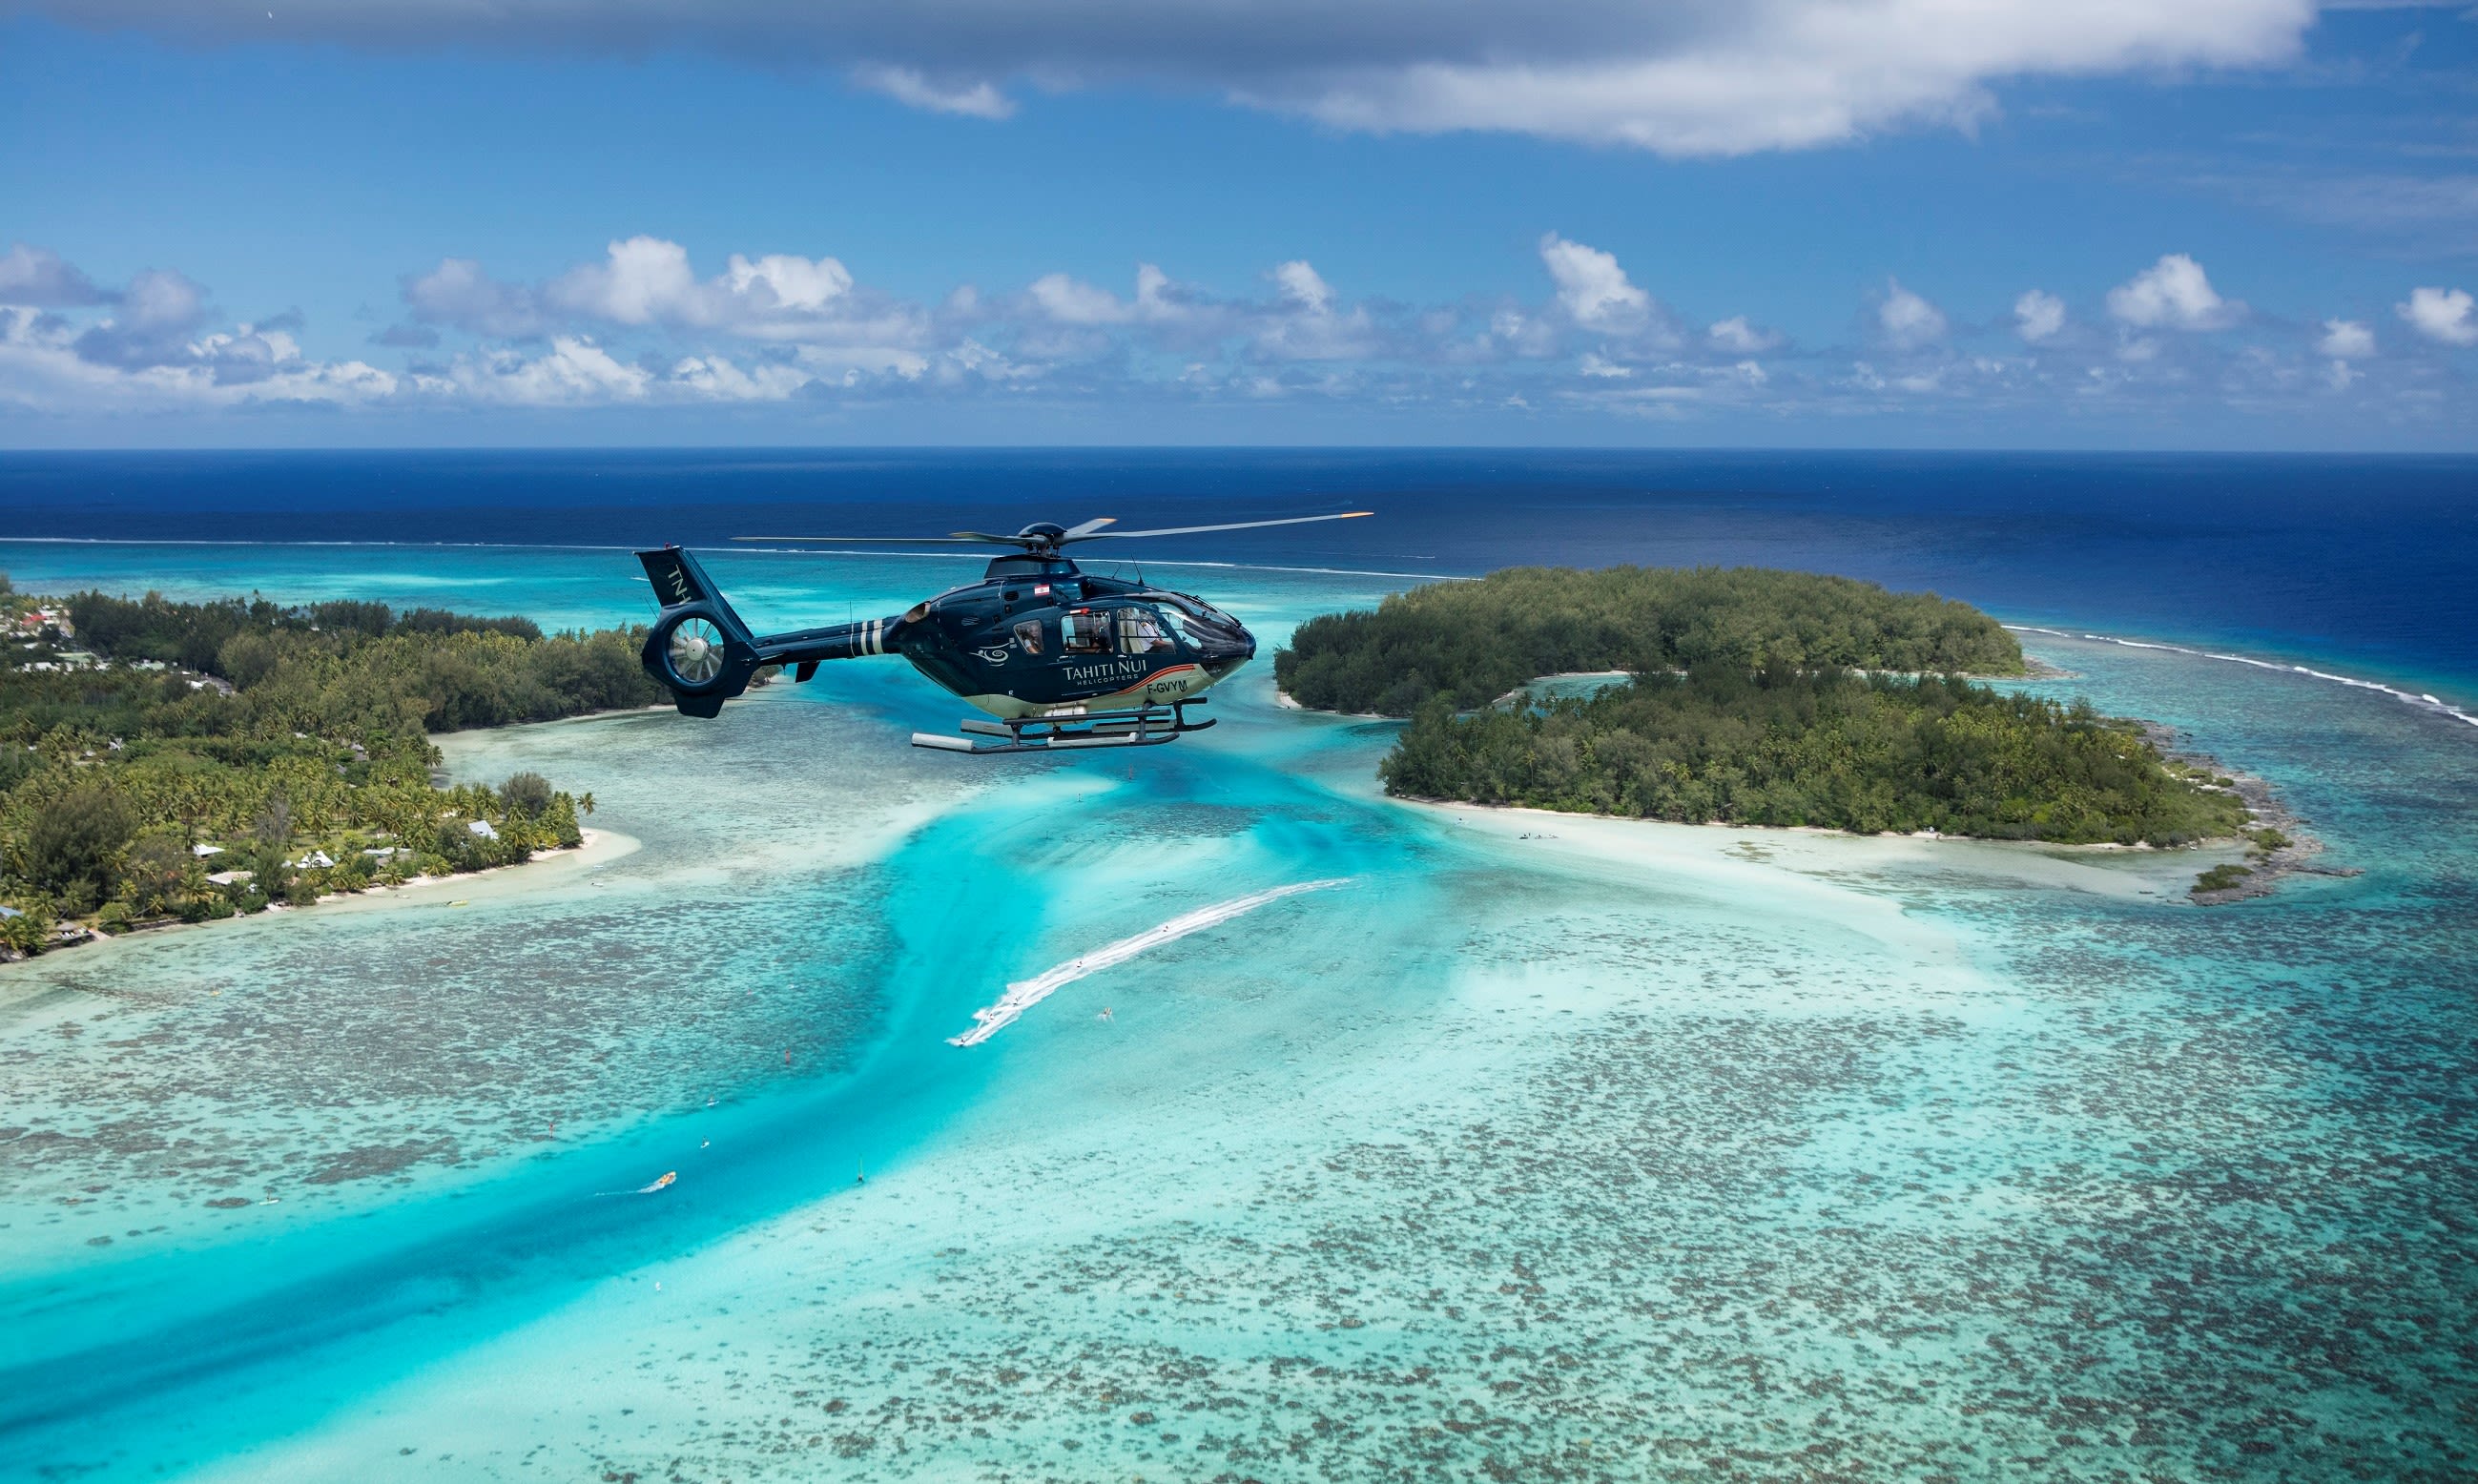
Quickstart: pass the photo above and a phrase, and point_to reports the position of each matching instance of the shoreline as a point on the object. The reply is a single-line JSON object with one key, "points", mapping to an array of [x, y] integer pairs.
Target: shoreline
{"points": [[594, 847], [2263, 805], [2263, 868], [2127, 873]]}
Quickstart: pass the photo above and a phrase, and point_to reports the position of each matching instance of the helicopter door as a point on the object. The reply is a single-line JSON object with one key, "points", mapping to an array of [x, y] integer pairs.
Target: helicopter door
{"points": [[1143, 631], [1084, 631], [1028, 636]]}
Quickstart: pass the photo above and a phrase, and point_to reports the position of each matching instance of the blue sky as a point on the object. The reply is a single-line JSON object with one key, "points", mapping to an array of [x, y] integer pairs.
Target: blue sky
{"points": [[2224, 223]]}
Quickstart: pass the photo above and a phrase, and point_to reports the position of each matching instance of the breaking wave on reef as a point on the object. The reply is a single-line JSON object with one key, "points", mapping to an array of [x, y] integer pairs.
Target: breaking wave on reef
{"points": [[2423, 700], [1024, 993]]}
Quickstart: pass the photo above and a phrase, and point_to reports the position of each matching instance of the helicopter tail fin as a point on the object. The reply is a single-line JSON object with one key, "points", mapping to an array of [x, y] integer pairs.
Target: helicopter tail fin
{"points": [[699, 649]]}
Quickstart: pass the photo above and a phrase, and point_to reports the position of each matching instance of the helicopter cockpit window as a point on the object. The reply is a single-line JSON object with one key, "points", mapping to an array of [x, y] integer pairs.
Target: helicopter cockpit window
{"points": [[1028, 636], [1143, 631], [1084, 632], [1199, 621]]}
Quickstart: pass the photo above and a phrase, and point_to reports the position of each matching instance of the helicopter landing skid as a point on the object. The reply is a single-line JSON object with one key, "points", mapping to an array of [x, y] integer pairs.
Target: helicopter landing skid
{"points": [[1141, 726]]}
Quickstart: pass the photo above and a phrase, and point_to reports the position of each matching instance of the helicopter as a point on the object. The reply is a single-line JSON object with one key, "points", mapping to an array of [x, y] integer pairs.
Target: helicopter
{"points": [[1058, 658]]}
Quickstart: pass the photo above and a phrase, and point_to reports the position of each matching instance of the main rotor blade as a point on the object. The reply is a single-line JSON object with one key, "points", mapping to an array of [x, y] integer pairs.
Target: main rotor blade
{"points": [[1191, 530], [1075, 532], [960, 539]]}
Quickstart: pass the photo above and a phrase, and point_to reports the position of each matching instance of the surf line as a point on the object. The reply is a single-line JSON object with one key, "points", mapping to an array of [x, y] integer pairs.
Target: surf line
{"points": [[2423, 700], [1024, 993]]}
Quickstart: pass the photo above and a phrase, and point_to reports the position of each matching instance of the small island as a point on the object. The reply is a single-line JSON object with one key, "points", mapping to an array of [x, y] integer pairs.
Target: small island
{"points": [[1755, 697], [166, 762]]}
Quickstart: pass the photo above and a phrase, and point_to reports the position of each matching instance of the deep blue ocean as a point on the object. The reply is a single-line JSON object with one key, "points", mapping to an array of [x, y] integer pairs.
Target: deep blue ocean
{"points": [[2343, 558]]}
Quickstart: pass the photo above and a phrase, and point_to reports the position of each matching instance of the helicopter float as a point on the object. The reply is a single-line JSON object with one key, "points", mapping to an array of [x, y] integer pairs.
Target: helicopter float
{"points": [[1060, 658]]}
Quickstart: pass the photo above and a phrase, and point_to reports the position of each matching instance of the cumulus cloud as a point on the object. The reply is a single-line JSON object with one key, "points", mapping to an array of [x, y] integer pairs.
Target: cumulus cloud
{"points": [[2447, 315], [2173, 294], [1301, 286], [1738, 337], [156, 316], [154, 351], [1158, 302], [2345, 339], [1909, 322], [640, 325], [1683, 77], [459, 293], [35, 277], [649, 282], [2038, 316], [1593, 288]]}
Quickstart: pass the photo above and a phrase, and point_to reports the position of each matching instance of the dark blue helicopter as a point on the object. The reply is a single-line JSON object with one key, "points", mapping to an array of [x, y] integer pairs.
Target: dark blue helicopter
{"points": [[1059, 657]]}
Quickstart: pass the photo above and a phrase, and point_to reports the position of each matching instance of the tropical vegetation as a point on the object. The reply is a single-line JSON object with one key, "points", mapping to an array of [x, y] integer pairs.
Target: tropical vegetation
{"points": [[1829, 748], [1471, 643], [166, 761]]}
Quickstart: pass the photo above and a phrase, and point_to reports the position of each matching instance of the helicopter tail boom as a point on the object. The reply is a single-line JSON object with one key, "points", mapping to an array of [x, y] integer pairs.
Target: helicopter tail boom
{"points": [[704, 654]]}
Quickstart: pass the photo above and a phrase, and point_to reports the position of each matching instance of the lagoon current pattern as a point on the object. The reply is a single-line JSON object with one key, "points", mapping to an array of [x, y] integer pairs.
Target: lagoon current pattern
{"points": [[1535, 1148]]}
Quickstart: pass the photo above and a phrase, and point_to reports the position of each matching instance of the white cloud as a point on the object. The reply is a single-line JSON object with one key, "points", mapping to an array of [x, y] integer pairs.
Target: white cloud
{"points": [[1683, 77], [2446, 315], [458, 292], [2173, 294], [784, 281], [148, 359], [1070, 301], [649, 282], [906, 85], [37, 278], [1591, 286], [722, 380], [1909, 322], [1740, 338], [1306, 323], [2038, 316], [1301, 286], [2345, 339], [574, 371], [1074, 302], [642, 280], [640, 326]]}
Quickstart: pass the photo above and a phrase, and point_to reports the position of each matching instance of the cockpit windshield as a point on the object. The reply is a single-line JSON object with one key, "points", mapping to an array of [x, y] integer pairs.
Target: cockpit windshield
{"points": [[1199, 620]]}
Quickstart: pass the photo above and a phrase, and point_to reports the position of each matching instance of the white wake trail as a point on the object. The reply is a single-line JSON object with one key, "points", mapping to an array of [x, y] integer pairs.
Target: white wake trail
{"points": [[1024, 993]]}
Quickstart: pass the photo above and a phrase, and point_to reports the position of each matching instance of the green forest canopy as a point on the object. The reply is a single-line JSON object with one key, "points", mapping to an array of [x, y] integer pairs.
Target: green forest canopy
{"points": [[1829, 748], [1471, 643], [314, 742]]}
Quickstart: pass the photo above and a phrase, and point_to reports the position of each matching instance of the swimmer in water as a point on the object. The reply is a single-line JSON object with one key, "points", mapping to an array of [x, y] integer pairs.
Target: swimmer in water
{"points": [[1104, 1015]]}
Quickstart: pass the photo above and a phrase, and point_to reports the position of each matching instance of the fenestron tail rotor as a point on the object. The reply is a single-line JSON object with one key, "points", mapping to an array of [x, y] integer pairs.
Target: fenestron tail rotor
{"points": [[1045, 536]]}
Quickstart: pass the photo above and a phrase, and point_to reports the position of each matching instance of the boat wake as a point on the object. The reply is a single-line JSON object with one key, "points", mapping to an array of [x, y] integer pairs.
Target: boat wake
{"points": [[2423, 700], [1024, 993]]}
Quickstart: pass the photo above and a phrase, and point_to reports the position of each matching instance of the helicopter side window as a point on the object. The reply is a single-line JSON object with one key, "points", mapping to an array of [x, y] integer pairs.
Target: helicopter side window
{"points": [[1142, 631], [1028, 636], [1084, 632]]}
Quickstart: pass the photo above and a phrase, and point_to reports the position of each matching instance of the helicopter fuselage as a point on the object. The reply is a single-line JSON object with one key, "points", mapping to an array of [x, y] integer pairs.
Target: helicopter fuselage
{"points": [[1035, 637], [1039, 637]]}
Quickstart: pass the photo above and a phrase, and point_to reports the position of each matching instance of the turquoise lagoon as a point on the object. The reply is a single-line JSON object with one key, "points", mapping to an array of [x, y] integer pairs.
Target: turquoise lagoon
{"points": [[1537, 1147]]}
